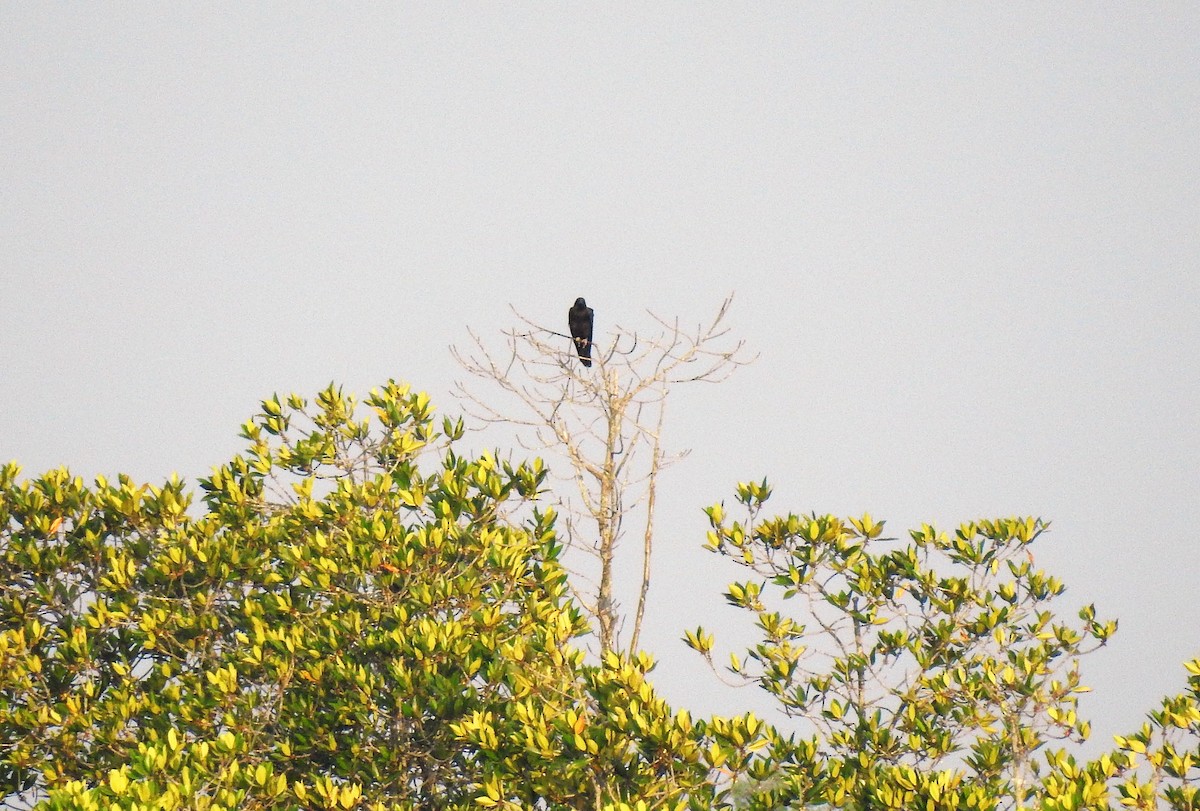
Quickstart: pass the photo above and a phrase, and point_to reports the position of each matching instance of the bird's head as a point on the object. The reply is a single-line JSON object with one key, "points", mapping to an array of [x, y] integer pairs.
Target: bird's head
{"points": [[579, 302]]}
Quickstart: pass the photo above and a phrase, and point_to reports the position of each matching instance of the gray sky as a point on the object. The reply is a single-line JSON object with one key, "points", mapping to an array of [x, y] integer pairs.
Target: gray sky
{"points": [[963, 238]]}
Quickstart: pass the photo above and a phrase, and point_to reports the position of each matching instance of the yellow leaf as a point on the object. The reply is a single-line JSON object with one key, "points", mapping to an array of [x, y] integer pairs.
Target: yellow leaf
{"points": [[117, 781]]}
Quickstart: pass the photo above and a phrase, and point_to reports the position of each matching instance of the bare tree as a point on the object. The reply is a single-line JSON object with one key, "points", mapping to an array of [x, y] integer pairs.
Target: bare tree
{"points": [[607, 422]]}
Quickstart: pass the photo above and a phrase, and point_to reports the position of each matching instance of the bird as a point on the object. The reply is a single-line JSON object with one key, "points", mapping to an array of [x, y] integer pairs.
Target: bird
{"points": [[580, 319]]}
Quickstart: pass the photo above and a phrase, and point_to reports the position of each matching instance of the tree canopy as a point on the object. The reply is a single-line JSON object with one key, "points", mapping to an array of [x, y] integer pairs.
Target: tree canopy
{"points": [[355, 613]]}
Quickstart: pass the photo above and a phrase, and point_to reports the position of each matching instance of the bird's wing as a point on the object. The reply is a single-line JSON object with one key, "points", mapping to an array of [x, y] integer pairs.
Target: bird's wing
{"points": [[580, 326]]}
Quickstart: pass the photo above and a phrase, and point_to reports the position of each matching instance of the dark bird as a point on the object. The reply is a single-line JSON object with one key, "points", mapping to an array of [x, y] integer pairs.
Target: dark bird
{"points": [[580, 318]]}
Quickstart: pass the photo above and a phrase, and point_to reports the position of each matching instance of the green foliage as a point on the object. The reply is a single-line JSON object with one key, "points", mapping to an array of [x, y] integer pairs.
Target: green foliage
{"points": [[356, 617], [1156, 767], [931, 671], [1163, 757]]}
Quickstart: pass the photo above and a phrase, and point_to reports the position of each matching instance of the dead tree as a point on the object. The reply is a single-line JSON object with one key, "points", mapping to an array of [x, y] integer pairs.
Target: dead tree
{"points": [[606, 422]]}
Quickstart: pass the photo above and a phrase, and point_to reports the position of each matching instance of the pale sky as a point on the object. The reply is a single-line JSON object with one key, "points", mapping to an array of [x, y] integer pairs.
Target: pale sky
{"points": [[963, 237]]}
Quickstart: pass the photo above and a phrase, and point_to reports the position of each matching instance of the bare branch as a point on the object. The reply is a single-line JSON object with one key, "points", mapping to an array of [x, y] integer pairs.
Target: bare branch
{"points": [[605, 421]]}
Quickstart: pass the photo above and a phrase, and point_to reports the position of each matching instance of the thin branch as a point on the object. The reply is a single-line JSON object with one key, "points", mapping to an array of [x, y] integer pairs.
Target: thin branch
{"points": [[603, 421]]}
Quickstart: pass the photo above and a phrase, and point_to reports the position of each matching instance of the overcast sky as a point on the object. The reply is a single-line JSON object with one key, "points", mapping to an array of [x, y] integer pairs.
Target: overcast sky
{"points": [[963, 237]]}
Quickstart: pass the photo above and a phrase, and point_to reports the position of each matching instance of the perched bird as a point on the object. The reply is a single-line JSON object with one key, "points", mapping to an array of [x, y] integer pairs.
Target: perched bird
{"points": [[580, 318]]}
